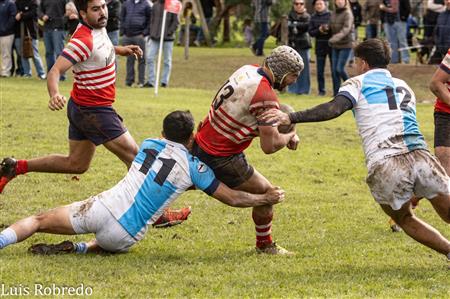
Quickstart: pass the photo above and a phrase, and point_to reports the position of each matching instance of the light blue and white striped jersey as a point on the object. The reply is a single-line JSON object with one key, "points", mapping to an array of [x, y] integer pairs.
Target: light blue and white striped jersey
{"points": [[161, 171], [385, 111]]}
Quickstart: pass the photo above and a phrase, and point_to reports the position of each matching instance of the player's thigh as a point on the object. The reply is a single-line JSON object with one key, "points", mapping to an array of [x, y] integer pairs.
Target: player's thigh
{"points": [[56, 221], [398, 215], [257, 184], [441, 204], [124, 147]]}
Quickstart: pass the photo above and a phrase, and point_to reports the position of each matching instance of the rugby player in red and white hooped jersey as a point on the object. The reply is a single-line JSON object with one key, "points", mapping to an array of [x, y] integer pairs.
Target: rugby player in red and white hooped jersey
{"points": [[231, 125], [440, 86], [92, 120]]}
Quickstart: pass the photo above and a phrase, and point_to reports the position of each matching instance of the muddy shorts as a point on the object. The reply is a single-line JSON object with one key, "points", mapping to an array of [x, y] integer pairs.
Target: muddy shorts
{"points": [[231, 170], [96, 124], [441, 129], [91, 216], [395, 180]]}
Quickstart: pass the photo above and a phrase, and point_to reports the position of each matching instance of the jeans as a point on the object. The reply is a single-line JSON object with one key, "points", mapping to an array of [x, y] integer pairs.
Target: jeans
{"points": [[54, 45], [140, 41], [396, 36], [200, 35], [258, 46], [153, 49], [6, 45], [36, 59], [371, 31], [303, 83], [339, 59], [321, 61]]}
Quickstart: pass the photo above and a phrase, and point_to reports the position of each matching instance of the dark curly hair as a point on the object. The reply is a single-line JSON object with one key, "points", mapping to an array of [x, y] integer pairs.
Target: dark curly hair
{"points": [[178, 126]]}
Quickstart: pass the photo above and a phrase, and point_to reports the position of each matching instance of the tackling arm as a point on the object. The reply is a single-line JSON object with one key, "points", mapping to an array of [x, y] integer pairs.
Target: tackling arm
{"points": [[236, 198], [438, 85], [322, 112]]}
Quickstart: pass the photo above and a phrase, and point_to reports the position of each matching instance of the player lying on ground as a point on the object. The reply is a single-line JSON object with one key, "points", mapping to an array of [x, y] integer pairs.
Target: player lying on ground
{"points": [[399, 163], [162, 171], [92, 119]]}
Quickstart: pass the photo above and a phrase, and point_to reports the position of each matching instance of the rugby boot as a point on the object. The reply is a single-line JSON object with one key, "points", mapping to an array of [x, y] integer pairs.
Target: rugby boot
{"points": [[50, 249], [172, 217], [273, 249], [7, 171]]}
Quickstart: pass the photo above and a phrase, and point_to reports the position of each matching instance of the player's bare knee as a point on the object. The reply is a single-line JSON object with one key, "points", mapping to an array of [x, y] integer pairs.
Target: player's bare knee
{"points": [[79, 167]]}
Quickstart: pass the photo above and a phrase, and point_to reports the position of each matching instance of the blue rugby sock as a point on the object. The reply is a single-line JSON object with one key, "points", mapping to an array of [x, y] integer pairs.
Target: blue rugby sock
{"points": [[7, 237], [81, 247]]}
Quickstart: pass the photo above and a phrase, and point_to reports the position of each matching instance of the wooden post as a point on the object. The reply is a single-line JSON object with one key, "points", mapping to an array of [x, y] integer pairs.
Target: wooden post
{"points": [[284, 30], [187, 32]]}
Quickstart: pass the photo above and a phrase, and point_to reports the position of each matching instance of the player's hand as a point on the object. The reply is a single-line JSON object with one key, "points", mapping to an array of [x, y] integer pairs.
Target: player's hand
{"points": [[274, 195], [293, 143], [133, 50], [57, 102], [275, 117]]}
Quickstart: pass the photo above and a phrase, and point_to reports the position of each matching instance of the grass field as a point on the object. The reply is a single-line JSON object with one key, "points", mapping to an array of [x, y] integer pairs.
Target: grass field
{"points": [[343, 243]]}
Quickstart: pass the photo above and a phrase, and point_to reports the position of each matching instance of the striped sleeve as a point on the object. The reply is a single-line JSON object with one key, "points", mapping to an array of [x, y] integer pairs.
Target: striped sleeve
{"points": [[264, 98], [79, 47]]}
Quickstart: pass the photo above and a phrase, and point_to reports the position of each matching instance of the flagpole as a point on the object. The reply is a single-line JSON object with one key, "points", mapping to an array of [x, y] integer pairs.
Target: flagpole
{"points": [[161, 41]]}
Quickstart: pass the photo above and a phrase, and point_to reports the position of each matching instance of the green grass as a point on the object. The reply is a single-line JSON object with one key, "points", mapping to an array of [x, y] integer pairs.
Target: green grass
{"points": [[343, 243]]}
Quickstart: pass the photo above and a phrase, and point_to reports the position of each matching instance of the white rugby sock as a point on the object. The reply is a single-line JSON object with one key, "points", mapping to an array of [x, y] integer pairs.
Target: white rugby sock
{"points": [[7, 237]]}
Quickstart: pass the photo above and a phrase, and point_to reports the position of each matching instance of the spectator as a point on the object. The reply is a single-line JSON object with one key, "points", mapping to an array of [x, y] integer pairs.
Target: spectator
{"points": [[7, 20], [320, 29], [261, 20], [134, 26], [208, 10], [434, 8], [371, 16], [298, 38], [248, 32], [27, 19], [395, 14], [16, 54], [357, 18], [341, 41], [443, 31], [52, 14], [112, 27], [71, 18], [194, 29], [154, 42]]}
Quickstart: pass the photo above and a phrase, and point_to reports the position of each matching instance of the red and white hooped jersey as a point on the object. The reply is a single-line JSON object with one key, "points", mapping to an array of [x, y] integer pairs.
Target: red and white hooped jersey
{"points": [[231, 123], [94, 70], [445, 66]]}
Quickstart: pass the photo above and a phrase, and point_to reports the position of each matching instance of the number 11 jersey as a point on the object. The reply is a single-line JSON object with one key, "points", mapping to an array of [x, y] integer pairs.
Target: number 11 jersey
{"points": [[385, 111], [231, 123]]}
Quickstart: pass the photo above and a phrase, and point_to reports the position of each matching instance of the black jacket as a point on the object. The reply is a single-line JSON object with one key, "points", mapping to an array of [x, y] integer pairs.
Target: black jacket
{"points": [[113, 15], [156, 22], [7, 17], [298, 36], [134, 18], [356, 10], [317, 19], [55, 10], [405, 10], [29, 17]]}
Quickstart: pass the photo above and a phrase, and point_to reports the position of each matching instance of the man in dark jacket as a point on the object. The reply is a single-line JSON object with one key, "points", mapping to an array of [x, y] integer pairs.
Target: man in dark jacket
{"points": [[298, 38], [134, 20], [112, 27], [52, 13], [443, 30], [27, 26], [395, 14], [7, 21], [261, 21], [154, 43], [319, 28]]}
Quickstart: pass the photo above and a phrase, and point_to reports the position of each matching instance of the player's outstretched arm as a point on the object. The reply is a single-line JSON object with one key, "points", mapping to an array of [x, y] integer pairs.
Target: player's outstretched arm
{"points": [[438, 85], [57, 100], [241, 199], [129, 50], [322, 112]]}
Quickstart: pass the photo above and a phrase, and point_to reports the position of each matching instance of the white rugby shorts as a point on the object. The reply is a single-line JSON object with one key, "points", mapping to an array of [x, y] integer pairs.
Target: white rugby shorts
{"points": [[91, 216], [395, 180]]}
